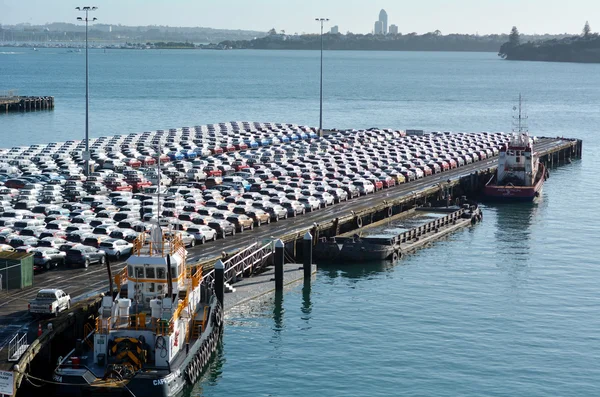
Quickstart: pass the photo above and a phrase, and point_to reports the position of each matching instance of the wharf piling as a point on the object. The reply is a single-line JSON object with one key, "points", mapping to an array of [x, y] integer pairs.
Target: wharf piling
{"points": [[307, 245], [279, 262]]}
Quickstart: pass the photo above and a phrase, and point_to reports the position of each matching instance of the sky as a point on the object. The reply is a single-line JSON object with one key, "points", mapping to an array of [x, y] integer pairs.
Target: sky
{"points": [[297, 16]]}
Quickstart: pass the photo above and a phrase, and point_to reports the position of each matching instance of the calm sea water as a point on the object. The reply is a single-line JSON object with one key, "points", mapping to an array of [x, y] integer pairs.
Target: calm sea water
{"points": [[509, 307]]}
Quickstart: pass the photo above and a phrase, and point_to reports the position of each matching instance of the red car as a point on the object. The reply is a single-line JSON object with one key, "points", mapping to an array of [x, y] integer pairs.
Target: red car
{"points": [[377, 183], [426, 170], [387, 181], [443, 164], [241, 146], [139, 183], [120, 187], [212, 171], [134, 163], [147, 161], [239, 167]]}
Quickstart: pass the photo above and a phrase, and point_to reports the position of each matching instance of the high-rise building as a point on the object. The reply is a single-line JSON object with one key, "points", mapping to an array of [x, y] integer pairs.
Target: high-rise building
{"points": [[335, 29], [393, 29], [383, 18], [378, 27]]}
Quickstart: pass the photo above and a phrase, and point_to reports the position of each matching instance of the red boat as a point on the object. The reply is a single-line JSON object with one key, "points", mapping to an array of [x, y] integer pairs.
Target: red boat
{"points": [[520, 175]]}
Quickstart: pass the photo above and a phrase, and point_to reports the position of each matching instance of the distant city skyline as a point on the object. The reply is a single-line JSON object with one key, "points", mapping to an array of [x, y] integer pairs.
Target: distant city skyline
{"points": [[294, 16]]}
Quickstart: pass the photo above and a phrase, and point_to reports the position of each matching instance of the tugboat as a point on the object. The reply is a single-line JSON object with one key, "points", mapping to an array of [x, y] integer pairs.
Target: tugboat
{"points": [[155, 336], [520, 175]]}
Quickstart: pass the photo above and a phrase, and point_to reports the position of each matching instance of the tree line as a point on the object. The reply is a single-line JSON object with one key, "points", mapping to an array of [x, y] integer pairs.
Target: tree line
{"points": [[583, 48]]}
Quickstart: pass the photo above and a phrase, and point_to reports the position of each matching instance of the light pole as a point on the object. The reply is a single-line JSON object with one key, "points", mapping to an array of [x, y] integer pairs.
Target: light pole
{"points": [[86, 155], [321, 20]]}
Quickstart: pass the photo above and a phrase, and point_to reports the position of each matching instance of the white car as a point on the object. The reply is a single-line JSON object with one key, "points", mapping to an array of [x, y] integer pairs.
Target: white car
{"points": [[116, 247], [202, 234], [49, 302], [364, 186]]}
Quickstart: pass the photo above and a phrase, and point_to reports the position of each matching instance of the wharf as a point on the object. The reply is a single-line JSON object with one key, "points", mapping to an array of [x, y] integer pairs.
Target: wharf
{"points": [[263, 283], [25, 103], [86, 284]]}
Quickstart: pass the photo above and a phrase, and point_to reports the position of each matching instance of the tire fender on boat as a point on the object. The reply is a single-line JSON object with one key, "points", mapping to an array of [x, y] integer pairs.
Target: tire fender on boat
{"points": [[390, 212], [359, 222]]}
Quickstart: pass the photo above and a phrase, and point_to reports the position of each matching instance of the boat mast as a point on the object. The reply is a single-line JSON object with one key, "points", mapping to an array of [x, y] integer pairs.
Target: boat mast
{"points": [[520, 121]]}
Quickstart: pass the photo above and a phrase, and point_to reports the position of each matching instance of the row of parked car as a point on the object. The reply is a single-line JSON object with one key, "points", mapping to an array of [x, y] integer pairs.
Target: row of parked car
{"points": [[48, 206]]}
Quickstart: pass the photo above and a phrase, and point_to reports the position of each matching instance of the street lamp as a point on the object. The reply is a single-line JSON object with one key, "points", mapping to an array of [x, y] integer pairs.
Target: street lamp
{"points": [[86, 155], [321, 20]]}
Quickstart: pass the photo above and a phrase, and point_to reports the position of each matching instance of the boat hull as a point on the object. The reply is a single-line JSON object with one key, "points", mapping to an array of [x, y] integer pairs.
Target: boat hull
{"points": [[157, 383], [511, 193]]}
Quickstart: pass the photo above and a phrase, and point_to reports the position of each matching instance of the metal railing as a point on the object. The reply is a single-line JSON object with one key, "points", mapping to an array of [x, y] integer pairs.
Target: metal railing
{"points": [[143, 245], [247, 260], [17, 346]]}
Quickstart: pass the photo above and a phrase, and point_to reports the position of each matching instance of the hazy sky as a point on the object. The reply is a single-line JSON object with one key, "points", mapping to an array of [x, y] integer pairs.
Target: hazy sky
{"points": [[449, 16]]}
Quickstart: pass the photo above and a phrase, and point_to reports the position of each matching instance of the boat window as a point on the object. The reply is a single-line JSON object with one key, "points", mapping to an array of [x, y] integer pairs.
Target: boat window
{"points": [[150, 272], [130, 271], [518, 159], [161, 273], [139, 272], [174, 272]]}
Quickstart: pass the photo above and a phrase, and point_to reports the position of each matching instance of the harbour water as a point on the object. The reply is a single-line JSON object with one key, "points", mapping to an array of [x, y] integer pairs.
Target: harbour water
{"points": [[506, 308]]}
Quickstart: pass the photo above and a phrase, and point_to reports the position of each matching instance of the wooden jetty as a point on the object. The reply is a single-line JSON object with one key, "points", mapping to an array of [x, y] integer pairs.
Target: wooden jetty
{"points": [[25, 103]]}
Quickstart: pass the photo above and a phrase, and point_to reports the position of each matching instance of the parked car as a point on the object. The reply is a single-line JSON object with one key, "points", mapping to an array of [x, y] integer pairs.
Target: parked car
{"points": [[259, 216], [222, 227], [202, 233], [46, 258], [188, 239], [241, 222], [49, 302], [116, 247], [85, 255]]}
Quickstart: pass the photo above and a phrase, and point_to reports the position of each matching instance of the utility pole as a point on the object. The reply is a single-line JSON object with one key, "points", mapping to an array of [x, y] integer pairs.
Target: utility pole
{"points": [[321, 20], [86, 155]]}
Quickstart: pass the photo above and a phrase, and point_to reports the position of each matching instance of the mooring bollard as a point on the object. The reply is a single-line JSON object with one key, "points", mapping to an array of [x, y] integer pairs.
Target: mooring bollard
{"points": [[220, 281], [307, 255], [279, 261]]}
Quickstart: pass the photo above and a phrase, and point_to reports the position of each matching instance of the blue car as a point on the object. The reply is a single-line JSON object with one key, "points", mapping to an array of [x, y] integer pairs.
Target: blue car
{"points": [[190, 154], [265, 142], [174, 156], [284, 138]]}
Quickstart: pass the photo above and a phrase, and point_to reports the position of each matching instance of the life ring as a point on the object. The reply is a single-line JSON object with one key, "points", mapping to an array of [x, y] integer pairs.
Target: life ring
{"points": [[390, 212], [359, 222]]}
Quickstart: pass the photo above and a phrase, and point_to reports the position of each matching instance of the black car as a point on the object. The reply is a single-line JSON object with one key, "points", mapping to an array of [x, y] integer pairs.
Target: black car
{"points": [[222, 227], [84, 255]]}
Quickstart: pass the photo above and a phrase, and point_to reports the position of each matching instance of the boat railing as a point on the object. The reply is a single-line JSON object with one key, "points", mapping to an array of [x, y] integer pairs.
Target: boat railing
{"points": [[144, 245], [134, 322], [121, 278]]}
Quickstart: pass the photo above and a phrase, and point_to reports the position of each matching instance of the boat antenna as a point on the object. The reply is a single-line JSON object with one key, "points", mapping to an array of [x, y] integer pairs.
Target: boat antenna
{"points": [[520, 121], [158, 153]]}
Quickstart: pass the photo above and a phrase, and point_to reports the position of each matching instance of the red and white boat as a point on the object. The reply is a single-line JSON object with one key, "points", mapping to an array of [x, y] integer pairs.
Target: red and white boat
{"points": [[520, 175]]}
